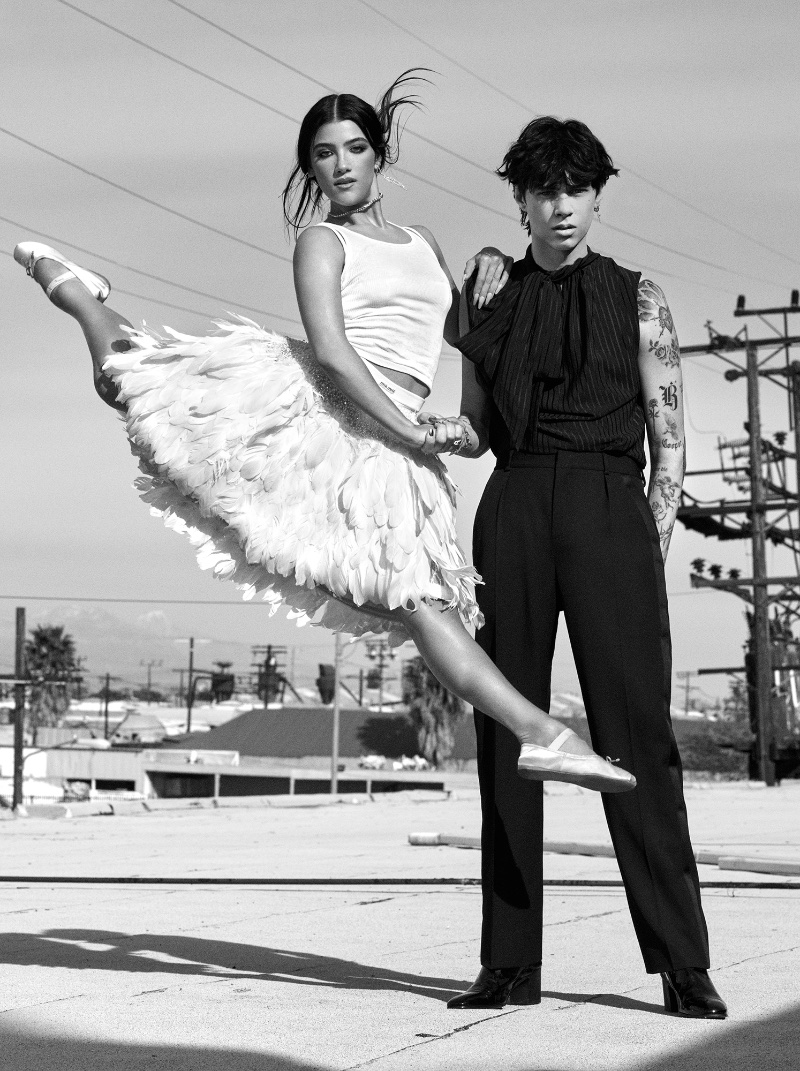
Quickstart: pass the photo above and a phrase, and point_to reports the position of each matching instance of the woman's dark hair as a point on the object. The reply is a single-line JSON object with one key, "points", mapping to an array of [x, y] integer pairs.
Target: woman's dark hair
{"points": [[551, 152], [380, 126]]}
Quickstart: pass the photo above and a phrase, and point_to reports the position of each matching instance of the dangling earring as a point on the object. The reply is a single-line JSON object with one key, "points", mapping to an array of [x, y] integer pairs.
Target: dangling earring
{"points": [[523, 213], [389, 178], [597, 213]]}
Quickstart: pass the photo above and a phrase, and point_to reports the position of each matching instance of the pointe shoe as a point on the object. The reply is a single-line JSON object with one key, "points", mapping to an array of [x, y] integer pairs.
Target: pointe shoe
{"points": [[691, 993], [29, 253], [589, 771], [496, 986]]}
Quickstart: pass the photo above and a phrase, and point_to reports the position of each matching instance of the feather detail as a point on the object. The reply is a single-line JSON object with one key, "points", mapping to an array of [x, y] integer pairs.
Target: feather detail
{"points": [[282, 487]]}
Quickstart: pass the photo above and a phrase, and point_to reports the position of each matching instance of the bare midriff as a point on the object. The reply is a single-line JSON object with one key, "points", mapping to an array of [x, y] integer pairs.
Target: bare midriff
{"points": [[403, 379]]}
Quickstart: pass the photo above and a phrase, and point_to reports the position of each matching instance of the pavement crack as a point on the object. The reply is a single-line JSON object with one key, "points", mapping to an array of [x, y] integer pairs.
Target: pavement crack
{"points": [[585, 918], [760, 955], [429, 1039], [41, 1003]]}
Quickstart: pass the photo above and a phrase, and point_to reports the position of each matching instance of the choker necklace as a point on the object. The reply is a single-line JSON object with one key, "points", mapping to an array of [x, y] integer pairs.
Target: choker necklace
{"points": [[352, 211]]}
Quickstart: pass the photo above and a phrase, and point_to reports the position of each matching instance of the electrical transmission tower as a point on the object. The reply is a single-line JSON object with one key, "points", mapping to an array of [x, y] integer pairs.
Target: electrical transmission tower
{"points": [[768, 474]]}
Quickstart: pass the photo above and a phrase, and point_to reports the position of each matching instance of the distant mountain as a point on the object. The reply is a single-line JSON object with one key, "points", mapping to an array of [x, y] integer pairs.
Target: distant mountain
{"points": [[110, 644]]}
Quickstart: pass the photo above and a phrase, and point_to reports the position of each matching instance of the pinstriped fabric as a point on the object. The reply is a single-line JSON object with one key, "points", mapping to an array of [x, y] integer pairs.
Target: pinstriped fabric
{"points": [[559, 356]]}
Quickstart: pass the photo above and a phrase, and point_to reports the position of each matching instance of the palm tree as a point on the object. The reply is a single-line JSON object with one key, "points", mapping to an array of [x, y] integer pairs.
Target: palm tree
{"points": [[434, 711], [49, 657]]}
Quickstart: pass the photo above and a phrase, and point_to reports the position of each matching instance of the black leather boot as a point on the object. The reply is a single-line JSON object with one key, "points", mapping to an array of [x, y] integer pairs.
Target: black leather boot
{"points": [[496, 986], [691, 993]]}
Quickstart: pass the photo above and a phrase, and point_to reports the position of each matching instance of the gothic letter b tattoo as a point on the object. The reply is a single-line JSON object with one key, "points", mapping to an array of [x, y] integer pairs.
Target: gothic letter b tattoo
{"points": [[669, 396]]}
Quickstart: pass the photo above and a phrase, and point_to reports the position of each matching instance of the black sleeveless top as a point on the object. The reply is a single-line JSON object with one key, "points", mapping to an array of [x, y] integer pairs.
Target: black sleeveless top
{"points": [[558, 354]]}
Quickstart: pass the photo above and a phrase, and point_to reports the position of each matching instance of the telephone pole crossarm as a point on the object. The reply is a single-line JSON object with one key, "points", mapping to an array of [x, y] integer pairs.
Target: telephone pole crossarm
{"points": [[727, 344], [741, 586]]}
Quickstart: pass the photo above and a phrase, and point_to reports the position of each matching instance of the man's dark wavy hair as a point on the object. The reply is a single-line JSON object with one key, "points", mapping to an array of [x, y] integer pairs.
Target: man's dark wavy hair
{"points": [[550, 153]]}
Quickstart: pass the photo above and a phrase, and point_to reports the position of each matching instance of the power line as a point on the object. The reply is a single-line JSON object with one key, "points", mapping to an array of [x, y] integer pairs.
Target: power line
{"points": [[174, 59], [160, 301], [250, 45], [315, 81], [418, 177], [252, 100], [708, 215], [444, 55], [148, 602], [436, 144], [690, 256], [527, 108], [141, 196], [23, 227]]}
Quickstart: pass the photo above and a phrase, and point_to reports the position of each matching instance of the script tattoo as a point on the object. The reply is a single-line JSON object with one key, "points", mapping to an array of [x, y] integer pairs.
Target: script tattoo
{"points": [[669, 396]]}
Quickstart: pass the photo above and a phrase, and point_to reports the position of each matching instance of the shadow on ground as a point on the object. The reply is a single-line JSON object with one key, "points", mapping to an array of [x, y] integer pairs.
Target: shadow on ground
{"points": [[151, 953], [770, 1043], [607, 1000], [26, 1052]]}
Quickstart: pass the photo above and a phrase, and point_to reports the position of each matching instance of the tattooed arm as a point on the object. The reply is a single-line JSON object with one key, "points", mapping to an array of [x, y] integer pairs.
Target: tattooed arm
{"points": [[662, 396]]}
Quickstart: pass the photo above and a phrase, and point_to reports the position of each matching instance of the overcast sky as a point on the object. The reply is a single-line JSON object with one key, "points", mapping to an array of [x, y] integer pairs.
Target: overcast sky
{"points": [[696, 98]]}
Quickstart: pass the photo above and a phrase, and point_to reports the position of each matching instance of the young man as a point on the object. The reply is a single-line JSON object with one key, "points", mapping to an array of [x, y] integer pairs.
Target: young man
{"points": [[567, 369]]}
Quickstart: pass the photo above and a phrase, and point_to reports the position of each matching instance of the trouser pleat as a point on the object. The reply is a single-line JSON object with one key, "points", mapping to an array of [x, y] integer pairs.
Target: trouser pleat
{"points": [[582, 539]]}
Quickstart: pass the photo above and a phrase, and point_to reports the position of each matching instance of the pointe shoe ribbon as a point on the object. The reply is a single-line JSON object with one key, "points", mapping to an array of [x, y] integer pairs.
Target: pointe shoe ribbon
{"points": [[29, 253], [588, 771]]}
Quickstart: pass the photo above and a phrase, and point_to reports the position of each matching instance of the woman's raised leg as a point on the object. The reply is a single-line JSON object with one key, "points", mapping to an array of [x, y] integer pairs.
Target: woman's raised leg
{"points": [[464, 668], [102, 327]]}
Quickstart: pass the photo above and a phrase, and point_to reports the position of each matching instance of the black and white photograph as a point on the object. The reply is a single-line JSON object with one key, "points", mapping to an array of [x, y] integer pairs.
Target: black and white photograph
{"points": [[400, 573]]}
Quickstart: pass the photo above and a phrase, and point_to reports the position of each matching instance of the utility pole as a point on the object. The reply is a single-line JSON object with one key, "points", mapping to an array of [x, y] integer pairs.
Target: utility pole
{"points": [[190, 689], [794, 384], [380, 652], [153, 662], [758, 465], [105, 706], [182, 670], [271, 681], [686, 676], [19, 706], [337, 669], [761, 636]]}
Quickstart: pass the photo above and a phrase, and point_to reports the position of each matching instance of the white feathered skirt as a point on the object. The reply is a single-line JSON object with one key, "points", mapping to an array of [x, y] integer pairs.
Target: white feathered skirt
{"points": [[283, 486]]}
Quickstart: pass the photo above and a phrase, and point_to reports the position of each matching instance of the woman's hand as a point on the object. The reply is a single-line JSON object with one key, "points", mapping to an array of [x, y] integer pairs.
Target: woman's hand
{"points": [[493, 271], [443, 435]]}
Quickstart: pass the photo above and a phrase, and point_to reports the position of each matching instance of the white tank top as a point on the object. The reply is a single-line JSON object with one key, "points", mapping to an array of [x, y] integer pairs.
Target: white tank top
{"points": [[395, 300]]}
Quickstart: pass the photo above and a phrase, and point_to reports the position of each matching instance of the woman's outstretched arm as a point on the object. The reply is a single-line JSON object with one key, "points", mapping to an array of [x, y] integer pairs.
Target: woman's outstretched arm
{"points": [[662, 397]]}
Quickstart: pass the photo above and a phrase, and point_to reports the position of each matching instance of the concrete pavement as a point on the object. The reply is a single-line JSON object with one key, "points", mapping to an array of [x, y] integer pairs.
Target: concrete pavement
{"points": [[241, 978]]}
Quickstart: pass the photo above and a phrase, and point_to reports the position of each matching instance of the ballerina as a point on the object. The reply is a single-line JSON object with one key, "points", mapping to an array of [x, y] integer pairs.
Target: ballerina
{"points": [[300, 470]]}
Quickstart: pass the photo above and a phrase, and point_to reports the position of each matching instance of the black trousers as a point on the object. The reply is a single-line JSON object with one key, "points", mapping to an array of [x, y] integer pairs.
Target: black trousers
{"points": [[573, 532]]}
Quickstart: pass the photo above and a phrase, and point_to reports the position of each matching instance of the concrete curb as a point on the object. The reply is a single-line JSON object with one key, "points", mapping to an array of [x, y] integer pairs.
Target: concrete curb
{"points": [[109, 808], [556, 846], [752, 864], [782, 867]]}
